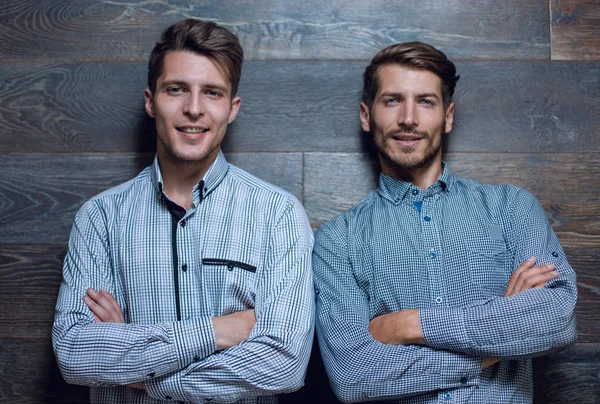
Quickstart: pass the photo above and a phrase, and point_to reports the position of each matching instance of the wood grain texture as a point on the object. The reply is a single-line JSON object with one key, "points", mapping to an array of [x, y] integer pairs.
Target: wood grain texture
{"points": [[570, 376], [40, 193], [29, 375], [564, 183], [296, 106], [275, 29], [575, 31]]}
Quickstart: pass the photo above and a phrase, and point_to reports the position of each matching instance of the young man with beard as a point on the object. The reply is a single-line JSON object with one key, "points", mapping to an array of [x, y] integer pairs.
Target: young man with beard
{"points": [[435, 287], [191, 282]]}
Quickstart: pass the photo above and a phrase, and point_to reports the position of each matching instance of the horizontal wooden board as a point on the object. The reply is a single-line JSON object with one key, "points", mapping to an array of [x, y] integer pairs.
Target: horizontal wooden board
{"points": [[566, 185], [30, 276], [575, 33], [570, 376], [299, 106], [40, 193], [29, 375], [274, 29]]}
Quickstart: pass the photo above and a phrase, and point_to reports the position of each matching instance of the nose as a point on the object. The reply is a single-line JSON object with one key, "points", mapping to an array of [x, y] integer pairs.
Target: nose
{"points": [[193, 107], [408, 114]]}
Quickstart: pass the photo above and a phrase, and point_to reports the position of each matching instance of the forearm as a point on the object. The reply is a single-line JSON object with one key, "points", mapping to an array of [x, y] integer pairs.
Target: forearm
{"points": [[117, 354], [529, 324], [273, 359]]}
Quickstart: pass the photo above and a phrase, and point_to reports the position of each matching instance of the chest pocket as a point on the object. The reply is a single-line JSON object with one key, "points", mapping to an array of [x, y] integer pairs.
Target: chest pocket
{"points": [[230, 285], [489, 263]]}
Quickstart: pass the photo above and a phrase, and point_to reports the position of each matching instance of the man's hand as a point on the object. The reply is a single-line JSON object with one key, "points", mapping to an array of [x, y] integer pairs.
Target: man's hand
{"points": [[105, 309], [104, 306], [528, 276], [233, 328], [399, 328]]}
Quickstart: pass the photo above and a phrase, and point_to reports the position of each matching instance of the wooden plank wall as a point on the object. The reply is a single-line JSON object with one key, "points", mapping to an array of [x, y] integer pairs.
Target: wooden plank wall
{"points": [[72, 75]]}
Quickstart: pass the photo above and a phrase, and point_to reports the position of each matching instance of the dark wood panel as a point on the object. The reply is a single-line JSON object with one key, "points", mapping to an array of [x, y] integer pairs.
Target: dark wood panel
{"points": [[570, 376], [40, 193], [30, 276], [566, 185], [575, 29], [290, 106], [29, 375], [275, 29]]}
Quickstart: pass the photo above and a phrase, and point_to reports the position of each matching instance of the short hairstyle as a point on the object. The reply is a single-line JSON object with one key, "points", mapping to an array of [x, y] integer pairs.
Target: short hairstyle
{"points": [[201, 37], [417, 55]]}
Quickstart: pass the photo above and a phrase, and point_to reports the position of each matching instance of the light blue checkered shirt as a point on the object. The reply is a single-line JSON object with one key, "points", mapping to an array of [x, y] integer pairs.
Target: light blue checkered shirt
{"points": [[243, 244], [452, 260]]}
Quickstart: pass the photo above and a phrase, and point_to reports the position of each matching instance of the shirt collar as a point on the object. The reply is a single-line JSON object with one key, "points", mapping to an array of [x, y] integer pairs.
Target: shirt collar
{"points": [[211, 180], [398, 190]]}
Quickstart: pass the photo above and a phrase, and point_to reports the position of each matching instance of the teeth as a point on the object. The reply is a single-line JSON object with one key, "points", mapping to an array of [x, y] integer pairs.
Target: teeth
{"points": [[192, 130]]}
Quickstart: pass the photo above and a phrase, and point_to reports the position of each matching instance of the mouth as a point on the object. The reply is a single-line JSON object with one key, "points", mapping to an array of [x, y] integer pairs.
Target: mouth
{"points": [[192, 129], [406, 139]]}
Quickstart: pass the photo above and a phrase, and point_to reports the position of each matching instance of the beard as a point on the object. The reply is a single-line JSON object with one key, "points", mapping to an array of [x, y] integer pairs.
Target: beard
{"points": [[406, 158]]}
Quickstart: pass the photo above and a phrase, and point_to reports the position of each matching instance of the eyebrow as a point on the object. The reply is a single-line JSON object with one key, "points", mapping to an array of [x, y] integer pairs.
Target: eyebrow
{"points": [[402, 95], [215, 86]]}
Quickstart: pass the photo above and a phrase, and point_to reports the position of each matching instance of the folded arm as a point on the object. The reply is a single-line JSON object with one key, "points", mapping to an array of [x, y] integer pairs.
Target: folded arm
{"points": [[274, 357], [522, 325], [91, 353], [360, 367]]}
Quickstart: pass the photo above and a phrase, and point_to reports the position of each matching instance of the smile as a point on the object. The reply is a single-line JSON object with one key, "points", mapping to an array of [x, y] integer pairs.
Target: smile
{"points": [[192, 130]]}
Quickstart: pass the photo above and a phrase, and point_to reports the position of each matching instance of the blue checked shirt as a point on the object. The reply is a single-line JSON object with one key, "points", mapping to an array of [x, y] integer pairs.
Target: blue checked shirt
{"points": [[448, 251], [243, 244]]}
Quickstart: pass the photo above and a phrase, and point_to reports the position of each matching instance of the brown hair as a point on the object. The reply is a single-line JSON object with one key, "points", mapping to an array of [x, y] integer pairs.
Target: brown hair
{"points": [[418, 55], [201, 37]]}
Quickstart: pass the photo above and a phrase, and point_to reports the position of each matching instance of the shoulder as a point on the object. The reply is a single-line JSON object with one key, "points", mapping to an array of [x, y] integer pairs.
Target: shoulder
{"points": [[493, 193], [256, 193], [113, 198], [358, 215]]}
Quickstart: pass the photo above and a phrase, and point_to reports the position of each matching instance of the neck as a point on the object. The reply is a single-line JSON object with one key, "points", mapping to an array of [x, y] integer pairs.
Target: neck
{"points": [[180, 178], [422, 177]]}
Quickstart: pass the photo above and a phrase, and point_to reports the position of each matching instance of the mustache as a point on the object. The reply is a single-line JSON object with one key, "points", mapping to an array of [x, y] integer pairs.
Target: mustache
{"points": [[405, 129]]}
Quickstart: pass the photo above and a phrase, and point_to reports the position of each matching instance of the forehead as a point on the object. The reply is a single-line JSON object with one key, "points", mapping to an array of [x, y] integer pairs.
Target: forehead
{"points": [[396, 78], [193, 68]]}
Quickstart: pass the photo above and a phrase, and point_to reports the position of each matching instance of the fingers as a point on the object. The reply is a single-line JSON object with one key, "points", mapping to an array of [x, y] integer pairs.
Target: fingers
{"points": [[526, 277], [104, 307], [527, 264]]}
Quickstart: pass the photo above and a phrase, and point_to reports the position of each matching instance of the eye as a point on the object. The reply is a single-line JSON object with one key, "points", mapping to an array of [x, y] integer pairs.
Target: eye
{"points": [[174, 90], [213, 93], [427, 102], [390, 101]]}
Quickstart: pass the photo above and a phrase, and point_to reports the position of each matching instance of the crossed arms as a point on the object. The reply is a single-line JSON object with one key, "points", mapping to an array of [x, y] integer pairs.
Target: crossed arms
{"points": [[197, 358], [434, 348]]}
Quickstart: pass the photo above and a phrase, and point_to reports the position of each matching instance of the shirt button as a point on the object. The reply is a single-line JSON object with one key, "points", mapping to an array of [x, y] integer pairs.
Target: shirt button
{"points": [[448, 395], [183, 223], [196, 358], [463, 380], [432, 254], [415, 192], [168, 398], [230, 267], [438, 300], [184, 267], [554, 254], [151, 374], [427, 218]]}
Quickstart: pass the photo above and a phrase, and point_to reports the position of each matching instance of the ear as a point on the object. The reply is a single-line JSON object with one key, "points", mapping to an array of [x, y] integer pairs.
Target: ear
{"points": [[365, 117], [235, 107], [149, 102], [449, 117]]}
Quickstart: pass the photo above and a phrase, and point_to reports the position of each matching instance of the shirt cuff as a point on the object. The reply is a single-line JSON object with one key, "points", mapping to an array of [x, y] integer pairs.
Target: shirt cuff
{"points": [[194, 341], [444, 328]]}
